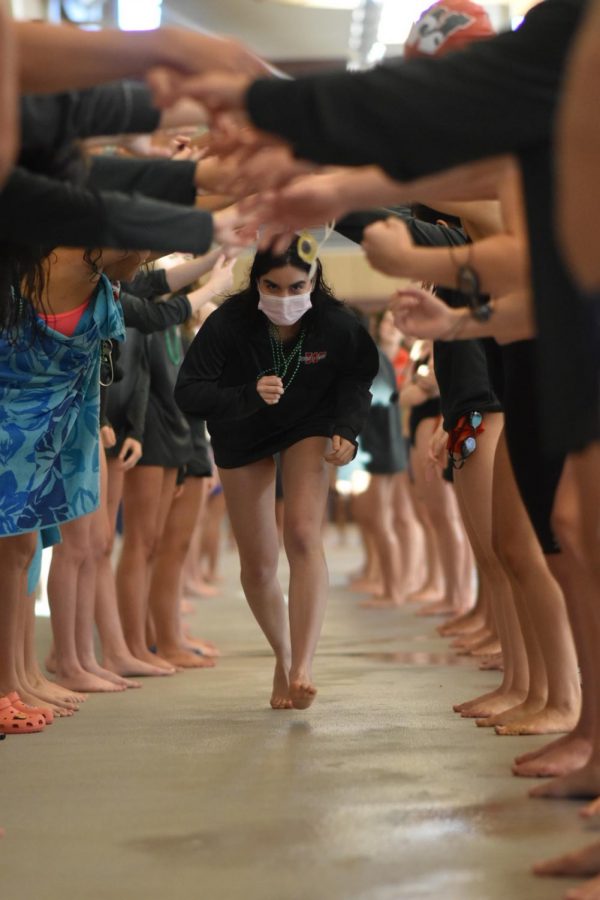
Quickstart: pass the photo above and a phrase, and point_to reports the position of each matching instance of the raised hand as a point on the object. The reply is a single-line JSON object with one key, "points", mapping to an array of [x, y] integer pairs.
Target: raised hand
{"points": [[419, 313], [233, 229], [218, 91], [221, 276], [388, 246]]}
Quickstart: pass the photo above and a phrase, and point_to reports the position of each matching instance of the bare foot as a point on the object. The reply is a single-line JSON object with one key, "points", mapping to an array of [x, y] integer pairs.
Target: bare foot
{"points": [[129, 666], [153, 659], [490, 704], [206, 648], [556, 744], [583, 784], [187, 659], [568, 754], [51, 692], [200, 588], [471, 639], [546, 721], [280, 698], [302, 691], [440, 608], [579, 864], [464, 624], [85, 681], [426, 595], [363, 586], [107, 675], [470, 646], [493, 663], [381, 603], [490, 648]]}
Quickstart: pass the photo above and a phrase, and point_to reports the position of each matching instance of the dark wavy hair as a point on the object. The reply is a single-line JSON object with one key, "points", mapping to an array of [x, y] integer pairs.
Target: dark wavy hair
{"points": [[246, 300], [22, 284]]}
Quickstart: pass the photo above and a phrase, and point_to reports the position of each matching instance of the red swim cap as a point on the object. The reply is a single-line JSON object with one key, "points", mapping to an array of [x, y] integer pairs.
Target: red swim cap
{"points": [[447, 25]]}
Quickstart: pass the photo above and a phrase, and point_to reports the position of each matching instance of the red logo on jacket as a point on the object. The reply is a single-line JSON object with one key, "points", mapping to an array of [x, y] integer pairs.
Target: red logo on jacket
{"points": [[313, 357]]}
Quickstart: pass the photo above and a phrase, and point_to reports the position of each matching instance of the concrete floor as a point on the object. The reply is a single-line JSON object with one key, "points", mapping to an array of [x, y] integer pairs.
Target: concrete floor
{"points": [[193, 788]]}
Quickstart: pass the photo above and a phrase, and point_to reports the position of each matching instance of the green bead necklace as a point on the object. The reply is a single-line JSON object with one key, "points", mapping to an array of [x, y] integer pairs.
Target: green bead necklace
{"points": [[281, 362], [173, 344]]}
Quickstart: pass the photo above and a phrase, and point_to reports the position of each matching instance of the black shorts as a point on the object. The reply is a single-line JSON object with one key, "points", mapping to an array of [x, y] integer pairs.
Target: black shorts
{"points": [[430, 409], [465, 383]]}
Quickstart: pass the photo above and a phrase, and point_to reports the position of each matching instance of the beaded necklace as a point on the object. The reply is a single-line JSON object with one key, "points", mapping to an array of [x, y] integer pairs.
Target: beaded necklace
{"points": [[173, 345], [281, 362]]}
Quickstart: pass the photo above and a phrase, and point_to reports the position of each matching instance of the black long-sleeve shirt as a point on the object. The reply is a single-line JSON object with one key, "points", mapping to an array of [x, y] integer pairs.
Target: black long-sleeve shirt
{"points": [[37, 207], [328, 395], [419, 117], [128, 398]]}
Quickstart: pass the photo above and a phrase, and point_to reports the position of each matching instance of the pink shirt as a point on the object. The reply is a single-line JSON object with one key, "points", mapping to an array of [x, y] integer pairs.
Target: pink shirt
{"points": [[65, 322]]}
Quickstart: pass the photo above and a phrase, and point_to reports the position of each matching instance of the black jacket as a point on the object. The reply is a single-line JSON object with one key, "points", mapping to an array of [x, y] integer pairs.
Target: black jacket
{"points": [[329, 394]]}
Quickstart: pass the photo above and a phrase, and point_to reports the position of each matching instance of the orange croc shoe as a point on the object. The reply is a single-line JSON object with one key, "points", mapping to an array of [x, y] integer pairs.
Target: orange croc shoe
{"points": [[14, 722], [43, 711]]}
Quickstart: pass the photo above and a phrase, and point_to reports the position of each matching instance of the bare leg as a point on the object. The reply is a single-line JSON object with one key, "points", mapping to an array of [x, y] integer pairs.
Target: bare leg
{"points": [[576, 576], [69, 559], [380, 523], [145, 494], [16, 554], [250, 495], [165, 588], [36, 684], [305, 486], [117, 657], [409, 533], [478, 485], [210, 542], [553, 699], [443, 514]]}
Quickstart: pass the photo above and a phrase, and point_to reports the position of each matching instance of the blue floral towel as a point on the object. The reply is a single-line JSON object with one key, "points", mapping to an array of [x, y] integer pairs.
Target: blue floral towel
{"points": [[49, 418]]}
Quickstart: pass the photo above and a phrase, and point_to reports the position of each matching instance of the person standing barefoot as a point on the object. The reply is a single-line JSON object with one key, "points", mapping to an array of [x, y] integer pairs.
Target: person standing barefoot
{"points": [[281, 367]]}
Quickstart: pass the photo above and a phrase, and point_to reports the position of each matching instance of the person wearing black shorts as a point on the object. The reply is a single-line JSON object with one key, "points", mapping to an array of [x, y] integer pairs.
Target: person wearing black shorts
{"points": [[281, 367]]}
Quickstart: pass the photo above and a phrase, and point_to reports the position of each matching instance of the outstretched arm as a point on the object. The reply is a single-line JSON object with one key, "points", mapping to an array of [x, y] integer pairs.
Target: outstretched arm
{"points": [[8, 93], [421, 314], [56, 57]]}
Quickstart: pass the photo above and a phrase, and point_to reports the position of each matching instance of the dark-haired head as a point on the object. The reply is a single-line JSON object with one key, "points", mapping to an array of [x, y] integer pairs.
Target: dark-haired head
{"points": [[433, 216], [284, 273]]}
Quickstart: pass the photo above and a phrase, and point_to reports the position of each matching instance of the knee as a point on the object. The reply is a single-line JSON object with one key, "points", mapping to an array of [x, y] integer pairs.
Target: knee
{"points": [[510, 554], [257, 573], [300, 539], [19, 550], [140, 543]]}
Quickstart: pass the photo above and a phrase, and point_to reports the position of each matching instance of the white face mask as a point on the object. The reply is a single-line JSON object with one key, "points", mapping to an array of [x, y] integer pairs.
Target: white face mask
{"points": [[284, 310]]}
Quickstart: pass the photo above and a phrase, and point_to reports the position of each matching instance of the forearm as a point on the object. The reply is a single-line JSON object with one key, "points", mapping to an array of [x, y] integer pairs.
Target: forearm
{"points": [[500, 262], [369, 186], [188, 272], [8, 95], [512, 320], [55, 58]]}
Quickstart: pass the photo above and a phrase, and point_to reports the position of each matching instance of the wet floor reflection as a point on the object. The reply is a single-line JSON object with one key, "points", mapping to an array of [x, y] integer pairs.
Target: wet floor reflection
{"points": [[417, 658]]}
